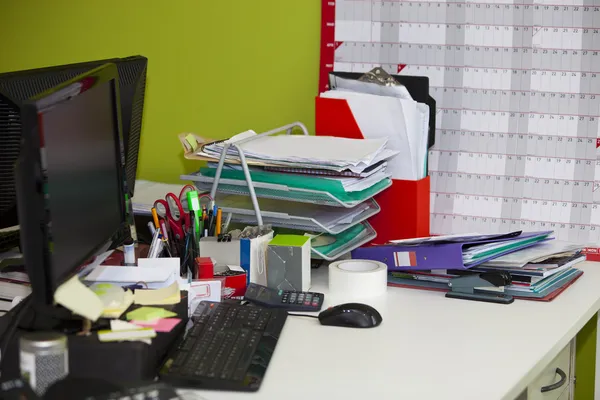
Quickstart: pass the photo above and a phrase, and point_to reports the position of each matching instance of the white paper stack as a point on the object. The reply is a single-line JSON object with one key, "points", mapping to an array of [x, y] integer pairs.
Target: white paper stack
{"points": [[305, 151], [390, 113]]}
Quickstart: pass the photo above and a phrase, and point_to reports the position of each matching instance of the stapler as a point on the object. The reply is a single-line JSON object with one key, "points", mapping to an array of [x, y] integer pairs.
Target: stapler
{"points": [[464, 287]]}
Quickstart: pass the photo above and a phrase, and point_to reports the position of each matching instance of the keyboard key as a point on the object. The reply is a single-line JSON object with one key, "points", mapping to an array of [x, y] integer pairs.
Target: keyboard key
{"points": [[246, 356]]}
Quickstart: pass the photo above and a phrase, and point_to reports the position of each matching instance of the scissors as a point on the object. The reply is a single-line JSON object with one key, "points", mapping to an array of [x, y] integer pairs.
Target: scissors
{"points": [[184, 205], [172, 211]]}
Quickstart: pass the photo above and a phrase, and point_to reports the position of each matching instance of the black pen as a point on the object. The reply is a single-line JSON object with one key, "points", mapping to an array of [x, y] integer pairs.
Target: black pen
{"points": [[210, 222]]}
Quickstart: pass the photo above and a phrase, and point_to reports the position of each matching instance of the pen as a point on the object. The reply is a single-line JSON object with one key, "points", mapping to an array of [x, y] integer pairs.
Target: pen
{"points": [[201, 223], [218, 227], [155, 218], [152, 228], [163, 229], [210, 222]]}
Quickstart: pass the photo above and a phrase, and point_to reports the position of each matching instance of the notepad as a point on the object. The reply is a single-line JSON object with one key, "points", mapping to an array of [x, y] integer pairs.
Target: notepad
{"points": [[127, 275], [159, 325], [78, 298], [149, 314], [113, 336], [118, 325], [149, 297]]}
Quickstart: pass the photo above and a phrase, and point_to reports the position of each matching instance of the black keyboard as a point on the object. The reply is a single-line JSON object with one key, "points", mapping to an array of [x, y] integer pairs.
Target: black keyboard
{"points": [[227, 348]]}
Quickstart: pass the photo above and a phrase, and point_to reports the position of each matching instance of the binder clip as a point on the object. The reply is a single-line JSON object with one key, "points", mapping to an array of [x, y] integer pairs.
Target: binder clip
{"points": [[464, 287], [380, 77]]}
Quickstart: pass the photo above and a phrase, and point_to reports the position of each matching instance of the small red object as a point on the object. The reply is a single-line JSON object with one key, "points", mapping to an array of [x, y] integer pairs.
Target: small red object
{"points": [[205, 268]]}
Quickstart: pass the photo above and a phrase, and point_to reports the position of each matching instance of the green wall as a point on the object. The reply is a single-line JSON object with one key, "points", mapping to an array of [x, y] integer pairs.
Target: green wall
{"points": [[585, 364], [215, 67]]}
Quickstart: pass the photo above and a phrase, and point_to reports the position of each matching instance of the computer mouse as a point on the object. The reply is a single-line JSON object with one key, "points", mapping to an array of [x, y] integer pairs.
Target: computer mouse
{"points": [[351, 315]]}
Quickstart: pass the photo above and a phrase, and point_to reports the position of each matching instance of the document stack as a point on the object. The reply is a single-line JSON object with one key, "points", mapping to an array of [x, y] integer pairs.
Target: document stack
{"points": [[538, 267], [321, 186], [14, 286], [542, 267]]}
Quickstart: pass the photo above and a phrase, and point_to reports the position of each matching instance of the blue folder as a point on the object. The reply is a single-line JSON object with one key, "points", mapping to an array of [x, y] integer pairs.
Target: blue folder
{"points": [[442, 255]]}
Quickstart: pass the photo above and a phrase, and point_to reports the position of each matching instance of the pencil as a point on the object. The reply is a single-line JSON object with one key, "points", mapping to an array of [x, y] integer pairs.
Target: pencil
{"points": [[155, 218]]}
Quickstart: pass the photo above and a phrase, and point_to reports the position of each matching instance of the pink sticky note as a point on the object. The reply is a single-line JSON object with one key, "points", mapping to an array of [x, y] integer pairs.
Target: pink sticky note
{"points": [[159, 325]]}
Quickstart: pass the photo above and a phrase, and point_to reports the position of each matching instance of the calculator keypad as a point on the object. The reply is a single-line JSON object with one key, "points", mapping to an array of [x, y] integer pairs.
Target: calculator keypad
{"points": [[286, 299], [302, 298]]}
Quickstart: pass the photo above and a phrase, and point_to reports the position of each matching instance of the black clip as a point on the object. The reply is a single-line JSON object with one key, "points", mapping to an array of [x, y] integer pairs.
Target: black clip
{"points": [[463, 287]]}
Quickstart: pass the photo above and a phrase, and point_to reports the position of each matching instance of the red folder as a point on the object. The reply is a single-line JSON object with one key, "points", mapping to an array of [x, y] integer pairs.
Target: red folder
{"points": [[405, 205]]}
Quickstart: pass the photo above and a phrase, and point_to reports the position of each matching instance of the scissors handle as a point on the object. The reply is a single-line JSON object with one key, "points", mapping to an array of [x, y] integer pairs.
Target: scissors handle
{"points": [[176, 229]]}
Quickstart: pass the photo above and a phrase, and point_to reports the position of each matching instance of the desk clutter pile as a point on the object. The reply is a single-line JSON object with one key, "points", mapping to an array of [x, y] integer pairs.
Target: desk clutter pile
{"points": [[322, 187], [529, 266]]}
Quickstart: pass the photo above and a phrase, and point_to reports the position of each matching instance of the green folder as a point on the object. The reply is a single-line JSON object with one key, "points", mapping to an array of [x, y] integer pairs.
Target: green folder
{"points": [[509, 245], [333, 187]]}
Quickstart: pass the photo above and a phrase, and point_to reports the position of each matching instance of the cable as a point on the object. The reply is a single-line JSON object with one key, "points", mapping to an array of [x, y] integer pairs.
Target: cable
{"points": [[12, 327], [303, 315]]}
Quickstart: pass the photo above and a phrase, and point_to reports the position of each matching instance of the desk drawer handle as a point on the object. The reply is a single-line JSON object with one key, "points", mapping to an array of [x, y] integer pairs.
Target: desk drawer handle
{"points": [[563, 379]]}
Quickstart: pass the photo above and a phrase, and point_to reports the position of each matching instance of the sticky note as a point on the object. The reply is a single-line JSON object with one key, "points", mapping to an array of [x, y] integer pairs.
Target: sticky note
{"points": [[116, 312], [118, 325], [149, 314], [167, 295], [78, 298], [159, 325], [135, 334], [191, 141]]}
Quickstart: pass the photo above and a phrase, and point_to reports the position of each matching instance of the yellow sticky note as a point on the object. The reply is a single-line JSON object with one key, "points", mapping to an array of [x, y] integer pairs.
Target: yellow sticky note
{"points": [[135, 334], [116, 312], [191, 141], [78, 298], [149, 314], [150, 297]]}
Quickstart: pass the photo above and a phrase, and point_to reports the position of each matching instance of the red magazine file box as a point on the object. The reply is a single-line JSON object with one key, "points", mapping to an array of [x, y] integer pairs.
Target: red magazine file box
{"points": [[404, 205]]}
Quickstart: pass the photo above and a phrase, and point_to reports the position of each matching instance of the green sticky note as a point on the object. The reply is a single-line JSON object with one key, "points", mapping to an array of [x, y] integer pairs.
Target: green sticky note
{"points": [[149, 314], [104, 285], [191, 141]]}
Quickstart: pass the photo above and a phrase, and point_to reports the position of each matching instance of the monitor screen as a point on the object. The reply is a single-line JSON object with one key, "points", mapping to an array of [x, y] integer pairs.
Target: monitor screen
{"points": [[81, 158]]}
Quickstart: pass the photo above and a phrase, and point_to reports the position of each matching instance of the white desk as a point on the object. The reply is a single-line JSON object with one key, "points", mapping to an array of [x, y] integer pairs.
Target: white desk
{"points": [[428, 347]]}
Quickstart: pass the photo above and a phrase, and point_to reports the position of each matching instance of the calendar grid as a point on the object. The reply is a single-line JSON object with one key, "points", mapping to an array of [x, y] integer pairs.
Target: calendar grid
{"points": [[516, 85]]}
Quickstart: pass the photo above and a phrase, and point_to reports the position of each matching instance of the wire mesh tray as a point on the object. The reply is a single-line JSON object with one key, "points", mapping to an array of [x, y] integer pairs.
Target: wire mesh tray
{"points": [[300, 216], [273, 191]]}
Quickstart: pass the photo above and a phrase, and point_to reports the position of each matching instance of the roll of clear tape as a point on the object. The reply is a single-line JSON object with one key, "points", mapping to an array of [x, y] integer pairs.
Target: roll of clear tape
{"points": [[357, 279]]}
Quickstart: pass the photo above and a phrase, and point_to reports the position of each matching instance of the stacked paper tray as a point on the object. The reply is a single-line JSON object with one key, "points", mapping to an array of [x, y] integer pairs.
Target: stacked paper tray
{"points": [[346, 241], [284, 192], [299, 216]]}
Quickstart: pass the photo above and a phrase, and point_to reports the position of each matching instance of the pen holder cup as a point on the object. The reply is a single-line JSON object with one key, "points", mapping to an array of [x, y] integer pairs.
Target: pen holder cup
{"points": [[405, 206]]}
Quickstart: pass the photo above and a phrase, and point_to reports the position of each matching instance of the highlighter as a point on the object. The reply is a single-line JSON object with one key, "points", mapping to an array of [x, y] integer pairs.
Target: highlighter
{"points": [[218, 225], [194, 205]]}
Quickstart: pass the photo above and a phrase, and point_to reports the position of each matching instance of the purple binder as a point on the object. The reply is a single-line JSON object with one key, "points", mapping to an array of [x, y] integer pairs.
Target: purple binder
{"points": [[438, 256]]}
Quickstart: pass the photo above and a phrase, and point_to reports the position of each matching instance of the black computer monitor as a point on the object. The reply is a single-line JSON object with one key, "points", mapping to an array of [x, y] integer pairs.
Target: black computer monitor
{"points": [[17, 87], [69, 178]]}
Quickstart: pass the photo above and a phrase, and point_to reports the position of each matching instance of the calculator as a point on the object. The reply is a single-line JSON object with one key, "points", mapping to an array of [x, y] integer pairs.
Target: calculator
{"points": [[286, 299]]}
